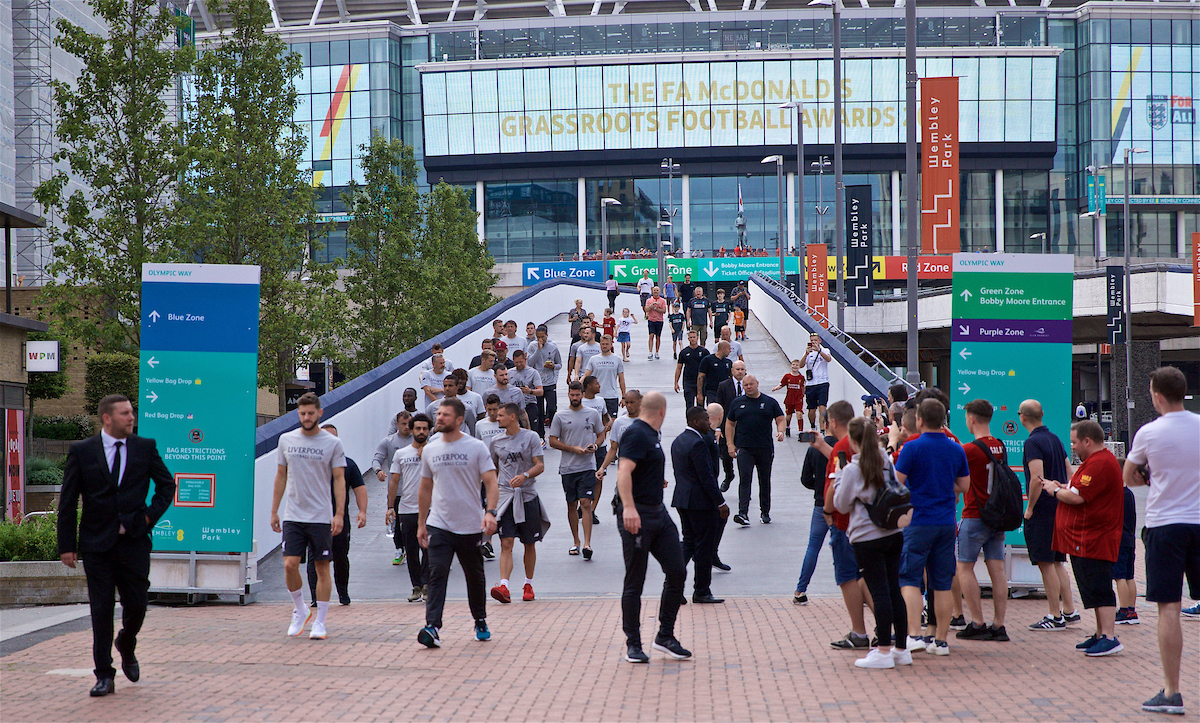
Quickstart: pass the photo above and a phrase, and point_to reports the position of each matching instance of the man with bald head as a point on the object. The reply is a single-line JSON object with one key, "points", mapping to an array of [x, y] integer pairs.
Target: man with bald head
{"points": [[727, 391], [1045, 458], [647, 529], [748, 439]]}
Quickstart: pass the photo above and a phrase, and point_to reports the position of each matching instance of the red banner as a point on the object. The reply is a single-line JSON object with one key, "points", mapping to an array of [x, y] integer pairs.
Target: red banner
{"points": [[1196, 279], [939, 166], [818, 279], [14, 464]]}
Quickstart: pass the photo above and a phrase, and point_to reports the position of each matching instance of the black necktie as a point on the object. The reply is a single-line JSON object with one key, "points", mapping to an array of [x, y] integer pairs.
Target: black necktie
{"points": [[116, 467], [739, 388]]}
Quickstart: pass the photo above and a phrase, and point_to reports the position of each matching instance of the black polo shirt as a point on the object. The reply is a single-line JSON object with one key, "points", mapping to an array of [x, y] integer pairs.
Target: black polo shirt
{"points": [[721, 310], [755, 419], [641, 444], [1046, 446], [698, 311], [690, 359], [715, 370]]}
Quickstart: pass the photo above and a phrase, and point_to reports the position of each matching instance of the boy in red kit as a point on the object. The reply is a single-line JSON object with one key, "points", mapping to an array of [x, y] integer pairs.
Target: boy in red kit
{"points": [[793, 403]]}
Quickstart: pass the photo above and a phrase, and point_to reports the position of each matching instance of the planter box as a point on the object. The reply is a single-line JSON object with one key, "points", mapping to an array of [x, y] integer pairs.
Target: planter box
{"points": [[41, 498], [41, 583]]}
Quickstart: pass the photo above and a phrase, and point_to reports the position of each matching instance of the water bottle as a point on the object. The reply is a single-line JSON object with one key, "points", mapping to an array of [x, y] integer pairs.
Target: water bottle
{"points": [[391, 525]]}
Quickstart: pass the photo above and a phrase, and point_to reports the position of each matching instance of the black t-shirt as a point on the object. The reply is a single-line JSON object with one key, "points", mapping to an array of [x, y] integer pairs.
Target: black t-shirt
{"points": [[755, 419], [690, 359], [641, 444], [676, 319], [722, 310], [698, 310], [353, 479], [685, 292], [1045, 445], [715, 370]]}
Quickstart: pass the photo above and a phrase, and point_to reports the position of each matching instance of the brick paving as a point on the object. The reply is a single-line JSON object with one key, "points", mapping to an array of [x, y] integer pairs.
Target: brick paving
{"points": [[756, 658]]}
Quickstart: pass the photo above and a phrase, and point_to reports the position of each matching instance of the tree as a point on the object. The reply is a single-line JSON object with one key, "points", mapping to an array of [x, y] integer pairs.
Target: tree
{"points": [[456, 267], [109, 373], [117, 135], [381, 253], [244, 199]]}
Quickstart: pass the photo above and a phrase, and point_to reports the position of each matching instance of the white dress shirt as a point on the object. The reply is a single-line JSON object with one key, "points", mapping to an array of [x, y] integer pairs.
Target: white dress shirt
{"points": [[110, 449]]}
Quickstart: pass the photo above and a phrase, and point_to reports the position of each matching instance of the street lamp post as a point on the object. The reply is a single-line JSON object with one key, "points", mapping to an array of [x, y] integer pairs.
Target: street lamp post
{"points": [[669, 166], [661, 269], [604, 204], [799, 106], [912, 200], [1128, 325], [838, 186], [1042, 236], [778, 161]]}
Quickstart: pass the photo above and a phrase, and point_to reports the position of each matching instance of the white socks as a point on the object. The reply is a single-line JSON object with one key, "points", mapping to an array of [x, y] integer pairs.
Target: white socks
{"points": [[504, 582], [322, 608], [529, 581], [298, 599]]}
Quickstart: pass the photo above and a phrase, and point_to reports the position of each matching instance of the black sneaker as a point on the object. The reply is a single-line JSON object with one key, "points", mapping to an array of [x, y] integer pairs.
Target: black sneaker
{"points": [[429, 637], [1070, 618], [488, 552], [800, 598], [958, 622], [1162, 703], [720, 565], [343, 599], [1049, 623], [851, 642], [634, 654], [741, 520], [787, 432], [766, 519], [974, 631], [725, 485], [671, 647], [595, 518], [999, 634]]}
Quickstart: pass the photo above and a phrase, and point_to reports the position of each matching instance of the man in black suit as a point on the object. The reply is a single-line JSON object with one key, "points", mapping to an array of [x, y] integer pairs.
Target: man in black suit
{"points": [[699, 501], [111, 472], [727, 391]]}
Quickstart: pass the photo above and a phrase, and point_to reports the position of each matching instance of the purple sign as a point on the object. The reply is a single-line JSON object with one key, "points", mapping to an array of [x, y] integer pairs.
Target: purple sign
{"points": [[1012, 330]]}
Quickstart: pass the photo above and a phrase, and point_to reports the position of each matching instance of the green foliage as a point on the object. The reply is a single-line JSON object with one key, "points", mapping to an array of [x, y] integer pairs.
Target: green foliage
{"points": [[115, 132], [37, 464], [456, 267], [244, 199], [52, 476], [59, 426], [33, 541], [112, 373]]}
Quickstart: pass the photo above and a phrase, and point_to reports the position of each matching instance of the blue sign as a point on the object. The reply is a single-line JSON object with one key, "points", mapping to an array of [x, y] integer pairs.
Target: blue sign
{"points": [[535, 273], [1155, 200], [1096, 194]]}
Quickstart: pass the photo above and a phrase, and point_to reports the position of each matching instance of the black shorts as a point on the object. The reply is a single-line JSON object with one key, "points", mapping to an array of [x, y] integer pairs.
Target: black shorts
{"points": [[1039, 534], [529, 531], [817, 395], [1172, 553], [315, 538], [579, 485], [1123, 567], [654, 327], [613, 404], [1094, 579]]}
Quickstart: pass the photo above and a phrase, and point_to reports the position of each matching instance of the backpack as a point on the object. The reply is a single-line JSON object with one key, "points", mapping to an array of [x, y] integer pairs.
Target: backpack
{"points": [[892, 504], [1003, 510]]}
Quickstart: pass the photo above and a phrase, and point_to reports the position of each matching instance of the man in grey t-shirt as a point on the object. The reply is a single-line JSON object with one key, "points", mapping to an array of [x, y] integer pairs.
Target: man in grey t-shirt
{"points": [[609, 370], [508, 394], [450, 522], [529, 381], [577, 432], [517, 454], [450, 384], [308, 458], [585, 349]]}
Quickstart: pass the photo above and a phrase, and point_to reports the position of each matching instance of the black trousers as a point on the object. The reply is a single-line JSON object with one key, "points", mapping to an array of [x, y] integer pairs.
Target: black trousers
{"points": [[701, 529], [689, 394], [748, 460], [443, 547], [659, 537], [340, 562], [726, 461], [547, 405], [879, 561], [416, 557], [536, 423], [612, 300], [124, 569]]}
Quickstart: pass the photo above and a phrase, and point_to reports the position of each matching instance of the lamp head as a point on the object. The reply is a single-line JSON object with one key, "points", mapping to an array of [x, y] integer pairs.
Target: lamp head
{"points": [[610, 202], [773, 159]]}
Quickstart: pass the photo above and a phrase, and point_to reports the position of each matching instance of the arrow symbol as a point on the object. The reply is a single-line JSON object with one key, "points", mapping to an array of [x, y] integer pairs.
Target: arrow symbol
{"points": [[152, 362], [711, 270], [152, 397], [965, 388], [154, 315], [966, 295], [532, 274], [964, 330], [620, 270], [964, 353]]}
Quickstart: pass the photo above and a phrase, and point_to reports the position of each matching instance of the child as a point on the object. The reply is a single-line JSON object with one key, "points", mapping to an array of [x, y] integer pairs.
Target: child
{"points": [[793, 403], [610, 323], [739, 324], [1123, 569], [595, 324], [676, 319], [624, 327]]}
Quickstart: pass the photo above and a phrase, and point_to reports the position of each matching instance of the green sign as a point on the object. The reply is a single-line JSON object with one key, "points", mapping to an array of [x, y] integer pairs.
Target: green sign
{"points": [[1011, 341], [715, 269], [198, 395]]}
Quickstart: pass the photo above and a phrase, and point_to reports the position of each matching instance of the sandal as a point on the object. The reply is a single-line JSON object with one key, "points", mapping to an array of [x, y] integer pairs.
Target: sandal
{"points": [[574, 550], [587, 553]]}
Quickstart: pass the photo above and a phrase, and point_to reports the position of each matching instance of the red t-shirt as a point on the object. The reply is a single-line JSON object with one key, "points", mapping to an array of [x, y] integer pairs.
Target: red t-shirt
{"points": [[1093, 529], [840, 521], [795, 389], [981, 472], [655, 308], [610, 326]]}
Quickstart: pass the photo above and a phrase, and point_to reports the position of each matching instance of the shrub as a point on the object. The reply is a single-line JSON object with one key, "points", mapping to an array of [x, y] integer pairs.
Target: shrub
{"points": [[110, 373], [52, 476], [75, 426], [36, 464], [33, 541]]}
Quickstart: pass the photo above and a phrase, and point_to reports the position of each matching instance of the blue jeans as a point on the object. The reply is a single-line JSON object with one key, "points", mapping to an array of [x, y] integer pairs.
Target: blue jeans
{"points": [[817, 530]]}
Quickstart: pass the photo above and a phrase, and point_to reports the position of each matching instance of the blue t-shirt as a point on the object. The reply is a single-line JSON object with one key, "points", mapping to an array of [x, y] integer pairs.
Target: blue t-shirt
{"points": [[1129, 528], [1046, 446], [931, 463]]}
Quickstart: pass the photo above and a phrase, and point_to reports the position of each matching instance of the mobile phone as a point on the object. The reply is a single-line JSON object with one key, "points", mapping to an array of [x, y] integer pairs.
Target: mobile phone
{"points": [[807, 437], [842, 459]]}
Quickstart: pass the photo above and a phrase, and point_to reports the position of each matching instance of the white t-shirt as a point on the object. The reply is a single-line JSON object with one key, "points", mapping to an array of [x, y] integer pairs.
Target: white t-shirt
{"points": [[645, 286], [310, 461], [485, 430], [456, 469], [820, 368], [735, 351], [1170, 445], [607, 370], [430, 378], [625, 325], [407, 464], [479, 380]]}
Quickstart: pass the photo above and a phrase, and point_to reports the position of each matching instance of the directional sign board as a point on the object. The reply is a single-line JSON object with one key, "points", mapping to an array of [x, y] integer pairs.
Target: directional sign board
{"points": [[1011, 341], [197, 399], [535, 273]]}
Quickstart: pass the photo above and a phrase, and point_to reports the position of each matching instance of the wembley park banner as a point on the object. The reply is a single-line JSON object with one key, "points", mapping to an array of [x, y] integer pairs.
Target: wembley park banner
{"points": [[734, 103]]}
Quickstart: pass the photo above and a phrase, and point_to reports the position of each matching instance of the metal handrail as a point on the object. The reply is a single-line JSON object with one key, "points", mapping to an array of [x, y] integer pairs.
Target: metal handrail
{"points": [[851, 343]]}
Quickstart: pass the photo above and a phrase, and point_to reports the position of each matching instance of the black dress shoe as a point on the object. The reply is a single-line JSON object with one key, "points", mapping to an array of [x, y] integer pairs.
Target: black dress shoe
{"points": [[683, 599], [725, 485], [103, 687], [129, 663], [707, 599], [720, 565]]}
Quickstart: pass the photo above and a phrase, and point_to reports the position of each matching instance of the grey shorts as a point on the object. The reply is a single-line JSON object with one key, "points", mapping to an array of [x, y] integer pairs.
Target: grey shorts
{"points": [[974, 536]]}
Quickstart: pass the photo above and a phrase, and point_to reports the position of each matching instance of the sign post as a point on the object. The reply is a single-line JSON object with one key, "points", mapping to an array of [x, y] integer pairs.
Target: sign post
{"points": [[817, 256], [1011, 341]]}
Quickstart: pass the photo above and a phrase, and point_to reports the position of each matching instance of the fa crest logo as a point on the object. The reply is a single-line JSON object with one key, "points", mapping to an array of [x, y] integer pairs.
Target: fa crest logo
{"points": [[1156, 111]]}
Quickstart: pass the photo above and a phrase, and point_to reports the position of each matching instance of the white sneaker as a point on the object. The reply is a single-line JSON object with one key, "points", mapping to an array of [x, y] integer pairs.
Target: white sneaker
{"points": [[902, 657], [318, 631], [937, 647], [299, 620], [877, 660], [915, 644], [656, 356], [650, 357]]}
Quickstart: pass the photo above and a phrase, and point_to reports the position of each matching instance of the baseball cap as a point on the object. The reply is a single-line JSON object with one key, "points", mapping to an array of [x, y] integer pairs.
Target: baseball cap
{"points": [[501, 345]]}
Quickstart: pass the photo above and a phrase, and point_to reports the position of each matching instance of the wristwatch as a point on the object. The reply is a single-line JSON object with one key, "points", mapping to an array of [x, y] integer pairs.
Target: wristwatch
{"points": [[1054, 494], [526, 475], [491, 512]]}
